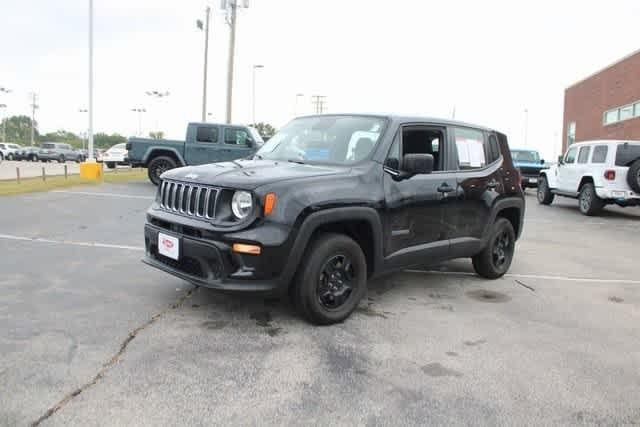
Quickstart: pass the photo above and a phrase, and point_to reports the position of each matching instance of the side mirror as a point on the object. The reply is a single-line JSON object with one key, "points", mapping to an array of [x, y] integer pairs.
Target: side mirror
{"points": [[561, 159], [542, 161], [417, 164]]}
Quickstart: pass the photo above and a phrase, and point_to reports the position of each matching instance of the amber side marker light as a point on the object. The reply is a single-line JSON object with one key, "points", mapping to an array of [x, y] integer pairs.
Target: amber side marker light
{"points": [[269, 203], [242, 248]]}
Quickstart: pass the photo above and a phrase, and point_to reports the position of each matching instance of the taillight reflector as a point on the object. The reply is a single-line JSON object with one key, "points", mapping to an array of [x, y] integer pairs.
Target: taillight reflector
{"points": [[610, 175]]}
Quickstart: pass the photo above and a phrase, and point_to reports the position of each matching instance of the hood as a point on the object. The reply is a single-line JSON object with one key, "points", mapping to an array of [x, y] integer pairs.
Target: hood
{"points": [[252, 174], [529, 164]]}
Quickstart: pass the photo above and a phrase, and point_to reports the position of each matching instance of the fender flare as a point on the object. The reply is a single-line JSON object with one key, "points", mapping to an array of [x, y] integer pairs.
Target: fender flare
{"points": [[499, 206], [152, 150], [331, 215]]}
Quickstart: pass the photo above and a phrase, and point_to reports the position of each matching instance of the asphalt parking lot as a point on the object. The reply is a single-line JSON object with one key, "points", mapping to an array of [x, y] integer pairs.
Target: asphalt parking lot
{"points": [[91, 336]]}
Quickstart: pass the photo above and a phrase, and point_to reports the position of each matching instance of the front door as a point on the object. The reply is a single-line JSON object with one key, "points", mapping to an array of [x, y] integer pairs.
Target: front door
{"points": [[416, 220], [567, 173], [237, 144]]}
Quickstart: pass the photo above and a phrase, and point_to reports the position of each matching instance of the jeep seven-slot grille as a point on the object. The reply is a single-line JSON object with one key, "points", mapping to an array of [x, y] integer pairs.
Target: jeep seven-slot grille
{"points": [[188, 199]]}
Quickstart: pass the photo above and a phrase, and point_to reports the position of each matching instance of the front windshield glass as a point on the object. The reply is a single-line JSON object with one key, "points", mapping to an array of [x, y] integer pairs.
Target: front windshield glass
{"points": [[525, 156], [325, 139]]}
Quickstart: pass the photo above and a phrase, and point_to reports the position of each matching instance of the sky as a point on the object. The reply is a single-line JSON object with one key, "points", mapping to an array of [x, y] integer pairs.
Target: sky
{"points": [[487, 60]]}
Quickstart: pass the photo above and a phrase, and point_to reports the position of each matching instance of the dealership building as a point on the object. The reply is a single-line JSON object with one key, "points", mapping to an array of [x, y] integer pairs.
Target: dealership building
{"points": [[605, 105]]}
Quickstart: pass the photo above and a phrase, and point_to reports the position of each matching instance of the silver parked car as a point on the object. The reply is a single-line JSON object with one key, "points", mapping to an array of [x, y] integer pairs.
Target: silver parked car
{"points": [[57, 151]]}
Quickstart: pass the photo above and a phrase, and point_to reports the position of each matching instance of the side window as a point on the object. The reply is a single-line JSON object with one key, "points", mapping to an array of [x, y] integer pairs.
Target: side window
{"points": [[470, 145], [235, 136], [492, 149], [571, 156], [424, 140], [599, 154], [583, 157], [207, 134]]}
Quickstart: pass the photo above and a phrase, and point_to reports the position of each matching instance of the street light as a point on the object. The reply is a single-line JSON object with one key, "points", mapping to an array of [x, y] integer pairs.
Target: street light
{"points": [[158, 95], [83, 110], [4, 124], [139, 111], [206, 61], [255, 67], [295, 109]]}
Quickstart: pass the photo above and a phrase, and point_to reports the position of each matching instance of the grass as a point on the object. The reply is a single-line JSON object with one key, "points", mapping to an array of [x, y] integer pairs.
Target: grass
{"points": [[30, 185]]}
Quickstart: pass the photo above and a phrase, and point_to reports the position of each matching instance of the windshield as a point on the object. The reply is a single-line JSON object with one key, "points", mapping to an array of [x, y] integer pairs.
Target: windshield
{"points": [[48, 145], [525, 156], [325, 139]]}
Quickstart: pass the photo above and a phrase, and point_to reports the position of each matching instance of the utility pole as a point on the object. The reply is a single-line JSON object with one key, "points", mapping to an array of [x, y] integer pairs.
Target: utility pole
{"points": [[90, 157], [295, 108], [253, 93], [83, 110], [318, 102], [4, 124], [34, 106], [158, 96], [206, 60]]}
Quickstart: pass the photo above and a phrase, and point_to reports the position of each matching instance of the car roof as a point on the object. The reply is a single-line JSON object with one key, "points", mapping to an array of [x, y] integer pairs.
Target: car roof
{"points": [[397, 118], [605, 141]]}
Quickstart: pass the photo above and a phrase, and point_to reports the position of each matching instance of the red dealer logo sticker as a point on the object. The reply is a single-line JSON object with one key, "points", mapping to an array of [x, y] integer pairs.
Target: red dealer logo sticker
{"points": [[167, 243]]}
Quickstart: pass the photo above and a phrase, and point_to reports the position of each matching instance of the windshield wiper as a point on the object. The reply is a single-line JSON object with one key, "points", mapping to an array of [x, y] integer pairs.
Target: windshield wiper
{"points": [[300, 162], [237, 164]]}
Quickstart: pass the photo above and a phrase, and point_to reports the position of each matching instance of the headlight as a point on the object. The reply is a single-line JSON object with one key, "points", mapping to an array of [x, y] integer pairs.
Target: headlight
{"points": [[241, 204]]}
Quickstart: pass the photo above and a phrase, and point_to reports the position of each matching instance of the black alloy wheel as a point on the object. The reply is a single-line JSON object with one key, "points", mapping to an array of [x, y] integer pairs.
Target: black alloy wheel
{"points": [[335, 283]]}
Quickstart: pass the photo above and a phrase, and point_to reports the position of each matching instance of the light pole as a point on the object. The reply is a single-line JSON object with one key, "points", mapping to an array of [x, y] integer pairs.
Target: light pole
{"points": [[526, 125], [255, 67], [4, 124], [139, 111], [158, 95], [82, 110], [295, 108], [90, 157], [206, 56]]}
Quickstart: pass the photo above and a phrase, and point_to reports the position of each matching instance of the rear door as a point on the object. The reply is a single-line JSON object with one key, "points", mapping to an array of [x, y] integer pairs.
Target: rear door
{"points": [[203, 146], [237, 143], [479, 183]]}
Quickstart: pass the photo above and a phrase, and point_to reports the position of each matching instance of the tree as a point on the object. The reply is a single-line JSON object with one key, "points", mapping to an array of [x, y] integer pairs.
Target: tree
{"points": [[156, 135], [103, 140], [18, 129], [264, 129], [61, 136]]}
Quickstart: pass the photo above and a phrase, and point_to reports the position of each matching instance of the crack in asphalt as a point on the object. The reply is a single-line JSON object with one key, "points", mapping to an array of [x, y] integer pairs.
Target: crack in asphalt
{"points": [[111, 362]]}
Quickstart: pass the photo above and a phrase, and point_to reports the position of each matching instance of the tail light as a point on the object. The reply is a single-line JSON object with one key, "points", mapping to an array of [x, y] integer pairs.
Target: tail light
{"points": [[610, 175]]}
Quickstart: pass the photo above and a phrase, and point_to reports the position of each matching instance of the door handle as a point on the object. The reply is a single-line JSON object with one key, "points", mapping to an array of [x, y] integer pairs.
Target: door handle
{"points": [[445, 188]]}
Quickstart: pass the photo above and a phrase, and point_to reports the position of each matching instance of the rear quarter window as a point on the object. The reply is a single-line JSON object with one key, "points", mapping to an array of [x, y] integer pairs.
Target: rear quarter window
{"points": [[599, 154], [627, 154]]}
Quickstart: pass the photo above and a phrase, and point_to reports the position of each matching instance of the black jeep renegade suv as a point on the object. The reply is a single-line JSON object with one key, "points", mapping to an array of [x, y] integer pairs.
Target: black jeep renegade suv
{"points": [[333, 200]]}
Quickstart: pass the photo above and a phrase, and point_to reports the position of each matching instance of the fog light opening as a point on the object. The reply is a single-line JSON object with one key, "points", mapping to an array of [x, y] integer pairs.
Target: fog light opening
{"points": [[243, 248]]}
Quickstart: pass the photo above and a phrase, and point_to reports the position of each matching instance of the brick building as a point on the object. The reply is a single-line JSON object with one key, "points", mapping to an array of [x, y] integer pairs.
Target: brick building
{"points": [[605, 105]]}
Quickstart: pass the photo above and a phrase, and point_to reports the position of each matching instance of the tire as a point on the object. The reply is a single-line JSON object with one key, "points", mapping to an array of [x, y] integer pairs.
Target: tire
{"points": [[34, 158], [157, 166], [1, 156], [61, 159], [544, 194], [588, 201], [495, 259], [633, 176], [330, 252], [111, 165], [9, 156]]}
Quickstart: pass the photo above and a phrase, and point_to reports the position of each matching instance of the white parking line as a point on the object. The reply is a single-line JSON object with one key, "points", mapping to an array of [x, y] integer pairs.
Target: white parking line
{"points": [[123, 196], [531, 276], [70, 242]]}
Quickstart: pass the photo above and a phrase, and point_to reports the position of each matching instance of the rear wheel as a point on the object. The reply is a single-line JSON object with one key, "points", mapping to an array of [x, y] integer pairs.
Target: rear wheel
{"points": [[544, 194], [61, 159], [110, 165], [633, 176], [33, 158], [588, 201], [158, 166], [495, 259], [331, 280], [10, 156]]}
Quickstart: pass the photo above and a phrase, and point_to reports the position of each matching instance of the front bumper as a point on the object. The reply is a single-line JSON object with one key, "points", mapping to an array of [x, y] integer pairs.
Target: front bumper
{"points": [[529, 180], [212, 264]]}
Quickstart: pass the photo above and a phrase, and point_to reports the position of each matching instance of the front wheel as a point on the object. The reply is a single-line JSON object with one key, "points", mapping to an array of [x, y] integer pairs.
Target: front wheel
{"points": [[544, 194], [110, 165], [589, 202], [61, 159], [34, 158], [158, 166], [495, 259], [9, 156], [331, 280]]}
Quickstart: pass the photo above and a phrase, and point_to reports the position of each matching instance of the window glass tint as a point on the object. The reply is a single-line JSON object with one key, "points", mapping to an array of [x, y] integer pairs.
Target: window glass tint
{"points": [[423, 140], [571, 155], [626, 112], [470, 147], [583, 157], [235, 136], [393, 158], [207, 134], [599, 154], [494, 149]]}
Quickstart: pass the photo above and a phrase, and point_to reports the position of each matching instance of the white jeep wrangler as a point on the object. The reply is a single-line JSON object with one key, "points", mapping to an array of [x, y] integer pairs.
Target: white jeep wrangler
{"points": [[597, 173]]}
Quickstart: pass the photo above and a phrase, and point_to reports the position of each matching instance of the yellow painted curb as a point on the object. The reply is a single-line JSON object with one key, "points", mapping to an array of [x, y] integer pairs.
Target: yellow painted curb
{"points": [[91, 171]]}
